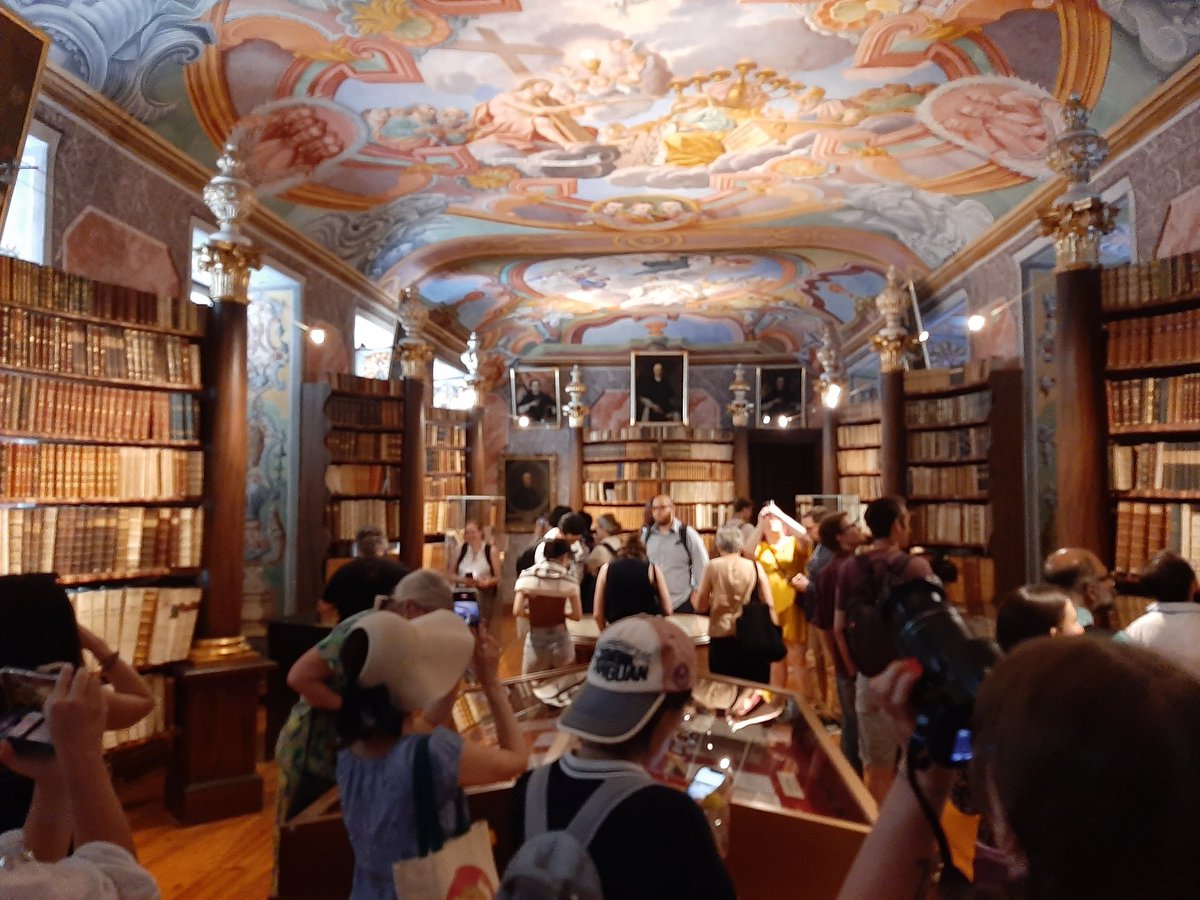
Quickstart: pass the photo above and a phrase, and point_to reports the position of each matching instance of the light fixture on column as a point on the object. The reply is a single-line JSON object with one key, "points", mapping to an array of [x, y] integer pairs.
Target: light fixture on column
{"points": [[415, 353], [740, 407], [575, 408], [470, 361], [833, 374], [1080, 218]]}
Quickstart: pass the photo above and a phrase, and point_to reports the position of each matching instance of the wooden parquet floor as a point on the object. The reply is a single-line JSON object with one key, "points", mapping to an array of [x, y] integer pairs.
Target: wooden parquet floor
{"points": [[229, 860]]}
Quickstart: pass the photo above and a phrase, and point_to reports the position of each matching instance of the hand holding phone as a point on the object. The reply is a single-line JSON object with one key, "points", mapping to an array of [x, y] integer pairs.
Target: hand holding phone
{"points": [[22, 723]]}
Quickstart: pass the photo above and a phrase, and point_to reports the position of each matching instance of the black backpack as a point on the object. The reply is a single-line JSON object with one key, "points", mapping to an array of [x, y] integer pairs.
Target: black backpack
{"points": [[868, 635], [528, 557]]}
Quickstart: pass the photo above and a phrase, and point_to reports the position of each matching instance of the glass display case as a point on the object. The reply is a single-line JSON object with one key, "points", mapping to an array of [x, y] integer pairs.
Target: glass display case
{"points": [[796, 817], [798, 810]]}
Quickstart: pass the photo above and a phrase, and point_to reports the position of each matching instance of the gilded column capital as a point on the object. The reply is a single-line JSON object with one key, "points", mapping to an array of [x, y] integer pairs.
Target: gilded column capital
{"points": [[1080, 219], [740, 406], [229, 255], [575, 408], [415, 352], [892, 341]]}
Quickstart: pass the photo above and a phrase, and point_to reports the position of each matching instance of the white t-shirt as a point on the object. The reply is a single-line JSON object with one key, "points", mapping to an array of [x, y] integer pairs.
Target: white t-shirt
{"points": [[96, 871], [1172, 630]]}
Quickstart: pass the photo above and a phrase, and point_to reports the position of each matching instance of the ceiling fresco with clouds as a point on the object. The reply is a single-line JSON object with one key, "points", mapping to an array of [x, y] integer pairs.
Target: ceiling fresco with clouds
{"points": [[380, 127]]}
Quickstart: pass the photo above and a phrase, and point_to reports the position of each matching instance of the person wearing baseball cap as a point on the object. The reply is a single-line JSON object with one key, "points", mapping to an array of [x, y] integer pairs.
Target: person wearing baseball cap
{"points": [[654, 842], [395, 667]]}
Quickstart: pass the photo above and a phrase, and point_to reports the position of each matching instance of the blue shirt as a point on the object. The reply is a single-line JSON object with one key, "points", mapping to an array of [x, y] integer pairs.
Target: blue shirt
{"points": [[379, 807]]}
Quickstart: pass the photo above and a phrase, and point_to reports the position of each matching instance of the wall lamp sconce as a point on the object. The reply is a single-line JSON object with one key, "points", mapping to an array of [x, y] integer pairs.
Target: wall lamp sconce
{"points": [[315, 334]]}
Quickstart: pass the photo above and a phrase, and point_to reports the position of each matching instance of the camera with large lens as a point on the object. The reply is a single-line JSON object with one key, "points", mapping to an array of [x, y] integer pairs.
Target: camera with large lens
{"points": [[925, 626]]}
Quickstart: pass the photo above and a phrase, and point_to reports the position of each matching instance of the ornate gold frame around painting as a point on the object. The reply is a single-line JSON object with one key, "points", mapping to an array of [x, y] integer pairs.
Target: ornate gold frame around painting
{"points": [[23, 50], [524, 520]]}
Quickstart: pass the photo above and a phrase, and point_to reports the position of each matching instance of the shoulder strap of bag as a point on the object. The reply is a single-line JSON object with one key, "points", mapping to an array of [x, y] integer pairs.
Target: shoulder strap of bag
{"points": [[429, 830], [583, 826], [462, 554], [487, 558]]}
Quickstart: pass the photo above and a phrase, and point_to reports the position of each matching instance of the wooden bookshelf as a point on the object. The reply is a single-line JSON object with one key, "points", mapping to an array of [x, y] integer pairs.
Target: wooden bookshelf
{"points": [[964, 475], [102, 475], [1152, 392], [859, 436], [626, 468], [445, 434], [356, 470]]}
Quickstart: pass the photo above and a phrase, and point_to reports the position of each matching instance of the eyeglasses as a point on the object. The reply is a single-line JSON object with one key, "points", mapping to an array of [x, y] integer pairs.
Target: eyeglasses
{"points": [[661, 506]]}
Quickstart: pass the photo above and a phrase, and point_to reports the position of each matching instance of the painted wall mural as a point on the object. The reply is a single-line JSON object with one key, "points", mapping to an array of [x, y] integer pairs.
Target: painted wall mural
{"points": [[269, 407], [381, 126]]}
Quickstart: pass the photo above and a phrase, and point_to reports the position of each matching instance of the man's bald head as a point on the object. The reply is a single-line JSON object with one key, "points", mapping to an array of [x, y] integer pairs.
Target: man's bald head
{"points": [[1072, 568]]}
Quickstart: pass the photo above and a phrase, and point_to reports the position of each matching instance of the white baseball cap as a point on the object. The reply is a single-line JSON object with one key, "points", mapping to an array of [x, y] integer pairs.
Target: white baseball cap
{"points": [[638, 661], [418, 660]]}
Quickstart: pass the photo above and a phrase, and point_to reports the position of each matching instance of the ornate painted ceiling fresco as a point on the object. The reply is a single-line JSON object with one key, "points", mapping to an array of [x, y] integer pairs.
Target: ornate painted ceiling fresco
{"points": [[384, 126]]}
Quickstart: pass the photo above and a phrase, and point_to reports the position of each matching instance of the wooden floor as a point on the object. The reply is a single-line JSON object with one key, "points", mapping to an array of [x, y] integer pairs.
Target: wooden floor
{"points": [[231, 860]]}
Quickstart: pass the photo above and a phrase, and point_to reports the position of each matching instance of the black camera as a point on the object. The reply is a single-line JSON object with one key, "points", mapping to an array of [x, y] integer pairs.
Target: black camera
{"points": [[923, 625]]}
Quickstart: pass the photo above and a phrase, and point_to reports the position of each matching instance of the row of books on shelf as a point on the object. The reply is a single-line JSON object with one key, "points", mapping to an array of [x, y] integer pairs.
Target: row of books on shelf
{"points": [[440, 516], [353, 412], [701, 492], [348, 517], [920, 381], [434, 556], [618, 470], [365, 445], [866, 487], [948, 481], [943, 446], [445, 461], [439, 487], [1155, 467], [1154, 281], [861, 460], [29, 284], [948, 410], [861, 411], [158, 722], [149, 626], [86, 540], [975, 586], [658, 433], [951, 523], [35, 340], [40, 472], [1154, 401], [445, 435], [628, 517], [681, 451], [1152, 341], [375, 387], [1145, 528], [363, 479], [869, 435], [619, 491], [66, 409]]}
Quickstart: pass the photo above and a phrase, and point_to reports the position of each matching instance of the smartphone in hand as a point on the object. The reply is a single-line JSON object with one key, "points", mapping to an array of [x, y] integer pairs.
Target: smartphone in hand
{"points": [[22, 695]]}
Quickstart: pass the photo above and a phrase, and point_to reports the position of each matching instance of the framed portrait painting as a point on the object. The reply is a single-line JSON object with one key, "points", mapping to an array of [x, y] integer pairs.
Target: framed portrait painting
{"points": [[658, 387], [529, 483], [535, 397], [23, 50], [782, 396]]}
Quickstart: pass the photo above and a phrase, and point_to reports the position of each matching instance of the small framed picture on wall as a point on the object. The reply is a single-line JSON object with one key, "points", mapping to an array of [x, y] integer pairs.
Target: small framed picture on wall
{"points": [[782, 396], [659, 385], [529, 486], [535, 397]]}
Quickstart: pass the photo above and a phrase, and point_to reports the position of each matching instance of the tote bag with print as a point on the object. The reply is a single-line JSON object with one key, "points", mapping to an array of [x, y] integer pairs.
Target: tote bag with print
{"points": [[460, 867]]}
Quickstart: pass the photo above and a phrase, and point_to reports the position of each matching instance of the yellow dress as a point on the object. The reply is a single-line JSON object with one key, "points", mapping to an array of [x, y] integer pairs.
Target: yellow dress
{"points": [[782, 562]]}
